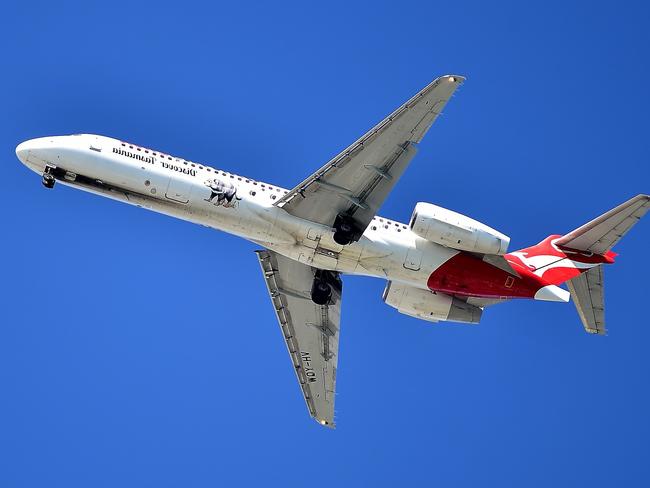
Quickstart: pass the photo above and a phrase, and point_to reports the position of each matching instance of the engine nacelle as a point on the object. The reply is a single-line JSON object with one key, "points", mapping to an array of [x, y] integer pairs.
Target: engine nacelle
{"points": [[451, 229], [430, 306]]}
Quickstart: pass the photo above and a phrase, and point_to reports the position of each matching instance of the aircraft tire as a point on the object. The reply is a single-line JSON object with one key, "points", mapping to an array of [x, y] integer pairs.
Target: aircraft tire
{"points": [[321, 292], [48, 180]]}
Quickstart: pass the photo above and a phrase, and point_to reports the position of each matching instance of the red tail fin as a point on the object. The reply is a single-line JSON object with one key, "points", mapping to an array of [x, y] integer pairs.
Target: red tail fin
{"points": [[560, 258], [555, 264]]}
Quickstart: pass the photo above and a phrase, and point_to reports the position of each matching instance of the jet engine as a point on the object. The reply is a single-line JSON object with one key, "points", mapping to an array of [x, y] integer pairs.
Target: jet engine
{"points": [[451, 229], [430, 306]]}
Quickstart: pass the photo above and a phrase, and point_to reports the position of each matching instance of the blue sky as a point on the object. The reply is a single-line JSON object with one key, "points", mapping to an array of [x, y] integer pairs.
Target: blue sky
{"points": [[137, 350]]}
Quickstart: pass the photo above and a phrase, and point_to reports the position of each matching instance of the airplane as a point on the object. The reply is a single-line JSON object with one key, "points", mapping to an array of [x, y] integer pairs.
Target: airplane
{"points": [[441, 266]]}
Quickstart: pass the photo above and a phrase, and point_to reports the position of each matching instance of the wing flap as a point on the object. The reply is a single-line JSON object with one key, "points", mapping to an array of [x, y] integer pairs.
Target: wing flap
{"points": [[310, 331]]}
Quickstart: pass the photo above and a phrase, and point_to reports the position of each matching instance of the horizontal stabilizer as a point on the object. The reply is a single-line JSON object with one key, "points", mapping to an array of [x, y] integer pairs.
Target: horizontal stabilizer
{"points": [[602, 233], [587, 293]]}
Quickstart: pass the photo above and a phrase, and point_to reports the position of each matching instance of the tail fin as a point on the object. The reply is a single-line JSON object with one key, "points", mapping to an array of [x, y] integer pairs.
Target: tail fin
{"points": [[599, 236]]}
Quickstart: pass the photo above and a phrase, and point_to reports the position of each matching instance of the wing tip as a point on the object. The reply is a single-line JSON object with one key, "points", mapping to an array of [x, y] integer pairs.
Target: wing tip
{"points": [[458, 79], [593, 331], [325, 423]]}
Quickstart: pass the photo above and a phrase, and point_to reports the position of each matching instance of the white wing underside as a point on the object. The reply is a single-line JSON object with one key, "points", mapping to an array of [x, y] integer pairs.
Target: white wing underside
{"points": [[310, 331], [357, 181]]}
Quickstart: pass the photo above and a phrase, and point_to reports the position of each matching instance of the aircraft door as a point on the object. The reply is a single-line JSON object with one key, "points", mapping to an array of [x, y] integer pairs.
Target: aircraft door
{"points": [[179, 188]]}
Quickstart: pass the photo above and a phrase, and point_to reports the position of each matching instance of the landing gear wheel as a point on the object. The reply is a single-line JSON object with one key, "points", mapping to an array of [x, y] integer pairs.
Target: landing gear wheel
{"points": [[326, 288], [321, 292], [345, 230], [341, 238], [48, 180]]}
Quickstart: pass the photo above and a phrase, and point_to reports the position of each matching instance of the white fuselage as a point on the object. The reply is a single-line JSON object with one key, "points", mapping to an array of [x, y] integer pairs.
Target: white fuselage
{"points": [[233, 204]]}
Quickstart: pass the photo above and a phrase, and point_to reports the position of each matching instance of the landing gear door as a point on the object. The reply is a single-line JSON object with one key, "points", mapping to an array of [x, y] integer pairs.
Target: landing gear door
{"points": [[179, 189], [413, 259]]}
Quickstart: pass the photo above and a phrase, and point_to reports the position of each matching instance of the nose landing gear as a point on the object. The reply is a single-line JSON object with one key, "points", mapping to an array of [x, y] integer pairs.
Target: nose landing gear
{"points": [[48, 181], [48, 177]]}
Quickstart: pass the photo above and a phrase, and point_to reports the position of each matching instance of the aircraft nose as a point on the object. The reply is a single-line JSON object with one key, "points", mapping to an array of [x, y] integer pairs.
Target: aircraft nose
{"points": [[36, 151], [22, 151]]}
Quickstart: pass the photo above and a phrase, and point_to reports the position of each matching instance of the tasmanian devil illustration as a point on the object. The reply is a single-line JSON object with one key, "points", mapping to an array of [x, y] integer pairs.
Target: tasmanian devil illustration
{"points": [[220, 192]]}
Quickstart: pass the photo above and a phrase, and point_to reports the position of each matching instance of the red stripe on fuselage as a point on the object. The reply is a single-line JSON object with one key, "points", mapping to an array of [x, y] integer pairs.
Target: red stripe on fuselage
{"points": [[467, 275]]}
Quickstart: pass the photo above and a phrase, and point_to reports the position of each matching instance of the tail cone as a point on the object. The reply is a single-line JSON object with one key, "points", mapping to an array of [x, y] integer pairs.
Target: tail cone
{"points": [[552, 293]]}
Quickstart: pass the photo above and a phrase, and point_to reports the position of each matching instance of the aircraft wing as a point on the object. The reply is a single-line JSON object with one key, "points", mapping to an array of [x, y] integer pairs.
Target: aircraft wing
{"points": [[310, 331], [357, 181]]}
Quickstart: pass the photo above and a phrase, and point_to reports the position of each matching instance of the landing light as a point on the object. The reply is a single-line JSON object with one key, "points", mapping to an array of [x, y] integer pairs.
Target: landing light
{"points": [[452, 78], [323, 422]]}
